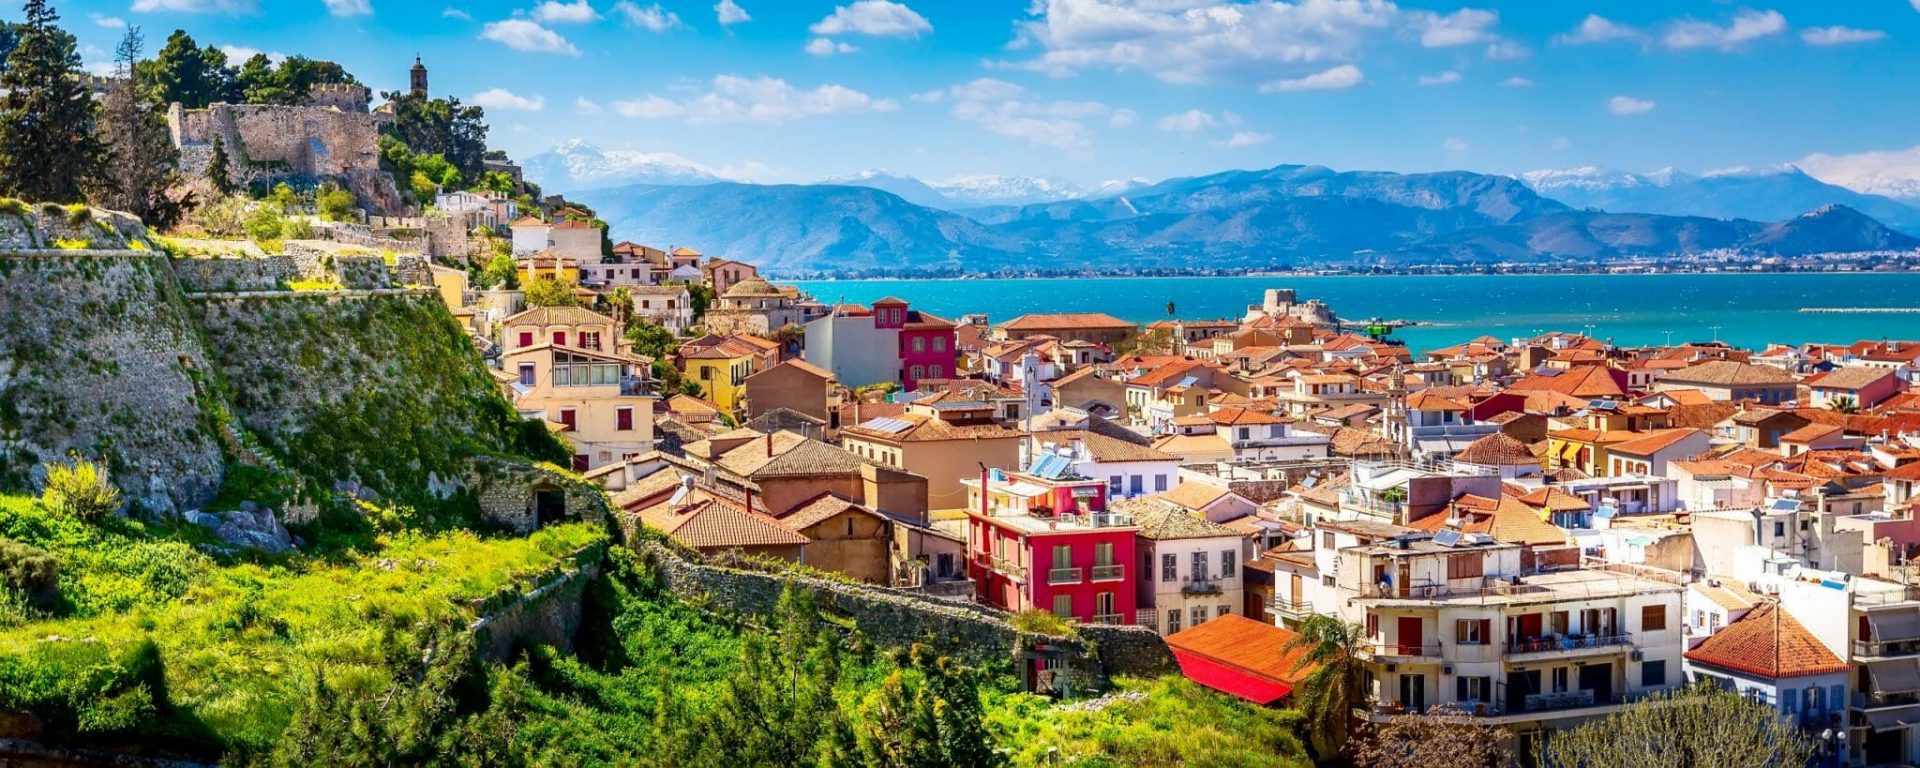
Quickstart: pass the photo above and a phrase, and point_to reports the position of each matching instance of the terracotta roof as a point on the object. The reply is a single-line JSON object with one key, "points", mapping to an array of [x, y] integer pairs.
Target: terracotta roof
{"points": [[1105, 448], [799, 365], [1851, 377], [921, 427], [1170, 372], [1497, 450], [1186, 446], [1432, 401], [1729, 373], [1728, 595], [1067, 321], [751, 286], [1581, 381], [1653, 442], [557, 316], [1162, 521], [1241, 656], [1810, 433], [810, 457], [1356, 441], [1770, 643], [1192, 494], [1517, 523], [1553, 500], [705, 521], [819, 509]]}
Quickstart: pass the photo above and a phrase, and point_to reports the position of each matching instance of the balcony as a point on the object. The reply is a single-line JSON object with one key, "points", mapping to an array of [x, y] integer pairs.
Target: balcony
{"points": [[1064, 576], [1868, 649], [1202, 585], [1109, 572], [1404, 652], [1108, 618], [1562, 644], [1009, 568], [1291, 609]]}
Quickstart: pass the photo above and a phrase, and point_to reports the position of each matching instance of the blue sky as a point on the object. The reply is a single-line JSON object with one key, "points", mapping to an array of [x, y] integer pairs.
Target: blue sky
{"points": [[1090, 90]]}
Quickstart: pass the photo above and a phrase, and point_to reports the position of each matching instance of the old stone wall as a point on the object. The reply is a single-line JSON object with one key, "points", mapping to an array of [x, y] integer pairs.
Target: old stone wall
{"points": [[351, 266], [412, 269], [547, 615], [447, 237], [508, 494], [206, 275], [99, 357], [899, 619]]}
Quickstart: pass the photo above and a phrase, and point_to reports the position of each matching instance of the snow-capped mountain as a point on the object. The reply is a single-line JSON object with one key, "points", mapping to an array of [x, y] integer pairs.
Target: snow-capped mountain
{"points": [[576, 165], [1771, 193], [908, 188], [967, 191], [1892, 173]]}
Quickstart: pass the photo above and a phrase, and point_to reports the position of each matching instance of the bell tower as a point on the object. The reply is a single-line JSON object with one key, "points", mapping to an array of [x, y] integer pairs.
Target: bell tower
{"points": [[419, 79]]}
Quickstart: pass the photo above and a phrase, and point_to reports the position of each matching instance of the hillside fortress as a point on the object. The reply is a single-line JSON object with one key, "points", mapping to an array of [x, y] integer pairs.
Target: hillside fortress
{"points": [[332, 135]]}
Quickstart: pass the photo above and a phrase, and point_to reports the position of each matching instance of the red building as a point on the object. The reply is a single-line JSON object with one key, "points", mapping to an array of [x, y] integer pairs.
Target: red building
{"points": [[1044, 539], [926, 342]]}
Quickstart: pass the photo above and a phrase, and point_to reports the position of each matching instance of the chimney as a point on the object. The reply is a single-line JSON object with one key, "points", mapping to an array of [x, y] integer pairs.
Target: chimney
{"points": [[985, 478], [769, 445]]}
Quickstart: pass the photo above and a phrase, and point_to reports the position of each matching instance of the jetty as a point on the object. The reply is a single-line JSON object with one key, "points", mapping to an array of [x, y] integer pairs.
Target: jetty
{"points": [[1860, 310]]}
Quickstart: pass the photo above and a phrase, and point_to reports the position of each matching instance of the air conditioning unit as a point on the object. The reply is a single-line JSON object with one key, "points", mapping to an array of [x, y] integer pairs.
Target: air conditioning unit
{"points": [[1446, 669], [1392, 667]]}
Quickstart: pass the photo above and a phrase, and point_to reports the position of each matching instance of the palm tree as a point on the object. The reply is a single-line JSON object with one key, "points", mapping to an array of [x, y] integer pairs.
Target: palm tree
{"points": [[1328, 694], [1843, 404]]}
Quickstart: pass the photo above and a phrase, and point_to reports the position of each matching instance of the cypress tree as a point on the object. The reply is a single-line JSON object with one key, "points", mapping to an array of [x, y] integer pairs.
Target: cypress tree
{"points": [[47, 142], [219, 171], [141, 158]]}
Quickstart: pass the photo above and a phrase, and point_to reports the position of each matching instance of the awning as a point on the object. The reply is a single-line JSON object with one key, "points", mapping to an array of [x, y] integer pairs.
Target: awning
{"points": [[1895, 675], [1894, 626], [1224, 678], [1894, 717]]}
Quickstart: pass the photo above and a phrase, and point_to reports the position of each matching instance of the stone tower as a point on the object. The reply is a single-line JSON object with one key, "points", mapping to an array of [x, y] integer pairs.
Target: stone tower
{"points": [[419, 78]]}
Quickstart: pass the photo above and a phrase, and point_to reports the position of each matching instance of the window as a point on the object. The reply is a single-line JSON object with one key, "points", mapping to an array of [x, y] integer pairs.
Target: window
{"points": [[1472, 688], [1222, 610], [1113, 485], [623, 419], [1103, 604], [1173, 620], [1653, 673], [919, 372], [526, 338], [1159, 483], [582, 462], [1138, 484], [1227, 563], [1243, 433], [1199, 565], [589, 339], [1465, 566], [1063, 606], [1103, 553], [1062, 556], [560, 338], [919, 344], [568, 417], [1559, 679], [646, 303], [706, 373], [1373, 625], [1560, 624], [1472, 631], [1779, 529], [526, 374], [1653, 618], [939, 343], [1199, 615], [1327, 580], [1169, 567]]}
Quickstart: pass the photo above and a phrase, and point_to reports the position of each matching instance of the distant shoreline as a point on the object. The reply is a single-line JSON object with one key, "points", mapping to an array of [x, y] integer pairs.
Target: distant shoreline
{"points": [[1322, 273]]}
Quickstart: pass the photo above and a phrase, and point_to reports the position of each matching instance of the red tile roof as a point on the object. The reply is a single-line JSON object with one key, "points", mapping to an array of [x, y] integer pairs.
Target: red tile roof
{"points": [[1770, 643], [1240, 656]]}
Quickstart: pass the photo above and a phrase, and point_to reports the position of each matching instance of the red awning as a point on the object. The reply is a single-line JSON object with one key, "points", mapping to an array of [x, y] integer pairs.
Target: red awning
{"points": [[1252, 686]]}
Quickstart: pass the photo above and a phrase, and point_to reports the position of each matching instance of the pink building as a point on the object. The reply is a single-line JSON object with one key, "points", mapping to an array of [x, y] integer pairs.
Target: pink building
{"points": [[1044, 539]]}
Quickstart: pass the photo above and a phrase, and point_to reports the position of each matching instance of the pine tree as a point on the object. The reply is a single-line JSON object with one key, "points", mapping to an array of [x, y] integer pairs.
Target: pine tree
{"points": [[140, 157], [219, 170], [47, 141]]}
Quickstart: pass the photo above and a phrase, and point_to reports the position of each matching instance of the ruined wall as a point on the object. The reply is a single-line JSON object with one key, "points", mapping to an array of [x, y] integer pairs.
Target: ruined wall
{"points": [[264, 142], [377, 393], [548, 614], [99, 356], [350, 266], [263, 273]]}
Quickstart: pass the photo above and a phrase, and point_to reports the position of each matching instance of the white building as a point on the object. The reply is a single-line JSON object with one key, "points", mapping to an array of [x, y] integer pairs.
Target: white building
{"points": [[667, 305], [1190, 568]]}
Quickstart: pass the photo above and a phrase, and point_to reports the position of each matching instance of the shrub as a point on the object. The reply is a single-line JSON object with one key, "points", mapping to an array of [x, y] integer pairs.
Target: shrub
{"points": [[15, 207], [29, 572], [337, 204], [296, 229], [80, 488], [1040, 622], [264, 223]]}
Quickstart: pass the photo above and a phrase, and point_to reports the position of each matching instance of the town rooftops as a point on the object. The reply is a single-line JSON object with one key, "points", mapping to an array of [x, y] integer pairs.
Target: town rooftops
{"points": [[1161, 521], [1193, 494], [915, 427], [557, 316], [1769, 643], [1242, 417], [1725, 373], [1497, 450], [1104, 448], [1653, 442], [752, 287], [1850, 378], [1076, 321], [705, 521], [797, 364]]}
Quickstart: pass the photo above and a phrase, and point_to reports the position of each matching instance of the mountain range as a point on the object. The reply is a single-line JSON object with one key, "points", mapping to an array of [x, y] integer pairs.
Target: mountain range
{"points": [[1766, 194]]}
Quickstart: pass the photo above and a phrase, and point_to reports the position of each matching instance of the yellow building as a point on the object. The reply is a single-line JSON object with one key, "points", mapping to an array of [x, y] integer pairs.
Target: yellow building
{"points": [[600, 402], [550, 263], [721, 367]]}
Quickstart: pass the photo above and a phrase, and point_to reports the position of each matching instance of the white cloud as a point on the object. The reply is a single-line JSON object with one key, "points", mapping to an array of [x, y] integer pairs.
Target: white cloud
{"points": [[1747, 25], [1507, 50], [238, 54], [1517, 82], [1005, 109], [765, 100], [1916, 4], [523, 35], [1462, 27], [110, 22], [1454, 145], [451, 12], [1561, 143], [653, 17], [879, 18], [1443, 78], [1599, 29], [1336, 78], [1628, 105], [1244, 139], [1895, 172], [1190, 121], [729, 13], [196, 6], [585, 106], [503, 99], [556, 12], [349, 7], [1841, 35], [1190, 41], [821, 46], [929, 97]]}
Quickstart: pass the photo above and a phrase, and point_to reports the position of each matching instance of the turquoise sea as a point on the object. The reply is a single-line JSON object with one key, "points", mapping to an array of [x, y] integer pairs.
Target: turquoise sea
{"points": [[1747, 310]]}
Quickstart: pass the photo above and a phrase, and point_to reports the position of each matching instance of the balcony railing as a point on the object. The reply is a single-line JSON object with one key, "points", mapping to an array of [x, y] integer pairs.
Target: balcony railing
{"points": [[1886, 650], [1109, 572], [1063, 576], [1292, 609], [1485, 587], [1863, 700], [1107, 618], [1567, 643], [1010, 568], [1202, 585], [1404, 650]]}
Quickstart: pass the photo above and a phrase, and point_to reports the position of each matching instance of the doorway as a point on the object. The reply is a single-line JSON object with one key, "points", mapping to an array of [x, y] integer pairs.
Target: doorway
{"points": [[549, 507], [1599, 679]]}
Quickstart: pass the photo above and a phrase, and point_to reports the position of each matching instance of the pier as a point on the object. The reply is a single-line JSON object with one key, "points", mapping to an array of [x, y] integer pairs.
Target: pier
{"points": [[1860, 310]]}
